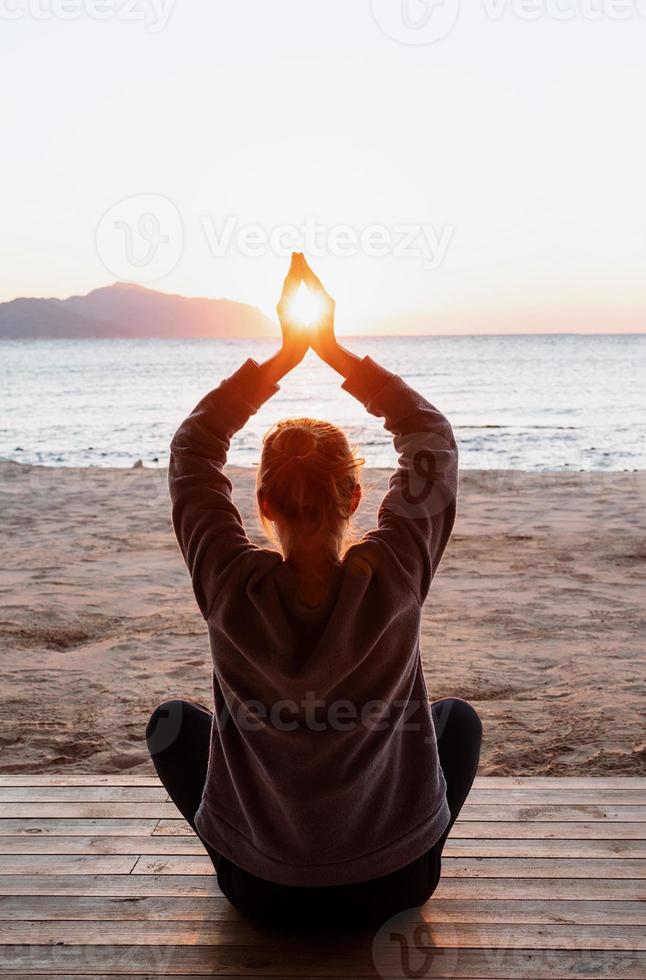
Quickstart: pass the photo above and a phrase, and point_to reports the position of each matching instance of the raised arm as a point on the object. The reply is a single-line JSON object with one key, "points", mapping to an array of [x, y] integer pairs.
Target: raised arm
{"points": [[207, 524], [417, 514]]}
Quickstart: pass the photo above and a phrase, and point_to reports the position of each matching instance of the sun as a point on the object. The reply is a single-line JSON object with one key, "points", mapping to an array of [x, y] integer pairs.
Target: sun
{"points": [[306, 308]]}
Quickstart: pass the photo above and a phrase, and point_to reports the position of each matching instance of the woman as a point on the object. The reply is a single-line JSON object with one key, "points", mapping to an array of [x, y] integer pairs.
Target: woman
{"points": [[324, 785]]}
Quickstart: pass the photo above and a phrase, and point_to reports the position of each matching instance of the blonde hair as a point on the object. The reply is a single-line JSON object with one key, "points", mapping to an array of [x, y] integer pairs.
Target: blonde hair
{"points": [[309, 475]]}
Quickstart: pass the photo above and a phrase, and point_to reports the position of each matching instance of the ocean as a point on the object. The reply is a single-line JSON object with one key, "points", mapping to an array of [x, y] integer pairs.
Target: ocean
{"points": [[564, 402]]}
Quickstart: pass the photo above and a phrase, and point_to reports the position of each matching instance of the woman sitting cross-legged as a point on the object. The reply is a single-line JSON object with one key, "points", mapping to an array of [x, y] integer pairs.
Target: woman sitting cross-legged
{"points": [[323, 785]]}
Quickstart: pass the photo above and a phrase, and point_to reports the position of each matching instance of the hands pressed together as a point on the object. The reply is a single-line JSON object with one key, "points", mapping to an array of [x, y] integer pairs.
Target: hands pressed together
{"points": [[297, 337]]}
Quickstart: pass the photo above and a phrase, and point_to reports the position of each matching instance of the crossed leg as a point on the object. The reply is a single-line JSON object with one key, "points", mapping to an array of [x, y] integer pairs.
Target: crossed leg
{"points": [[178, 737]]}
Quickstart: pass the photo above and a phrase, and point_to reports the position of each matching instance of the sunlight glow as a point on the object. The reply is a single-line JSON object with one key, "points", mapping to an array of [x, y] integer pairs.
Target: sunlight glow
{"points": [[306, 308], [411, 228]]}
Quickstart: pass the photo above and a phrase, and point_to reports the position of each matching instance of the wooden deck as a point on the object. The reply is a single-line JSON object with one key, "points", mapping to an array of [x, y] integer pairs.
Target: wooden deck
{"points": [[542, 879]]}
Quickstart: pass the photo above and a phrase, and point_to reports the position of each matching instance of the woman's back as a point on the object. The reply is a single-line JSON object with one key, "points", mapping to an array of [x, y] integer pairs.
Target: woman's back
{"points": [[323, 766], [322, 728]]}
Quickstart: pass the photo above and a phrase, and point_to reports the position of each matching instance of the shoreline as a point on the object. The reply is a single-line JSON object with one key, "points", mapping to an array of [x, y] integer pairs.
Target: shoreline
{"points": [[495, 473], [535, 616]]}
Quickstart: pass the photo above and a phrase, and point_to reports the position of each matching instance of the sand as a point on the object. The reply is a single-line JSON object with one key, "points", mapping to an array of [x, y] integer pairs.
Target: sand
{"points": [[536, 616]]}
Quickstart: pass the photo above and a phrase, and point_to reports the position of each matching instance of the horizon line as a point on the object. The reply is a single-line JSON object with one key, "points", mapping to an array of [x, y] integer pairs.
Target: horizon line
{"points": [[269, 318], [358, 336]]}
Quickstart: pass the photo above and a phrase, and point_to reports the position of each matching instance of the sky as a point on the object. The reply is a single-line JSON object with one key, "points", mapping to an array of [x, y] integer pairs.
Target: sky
{"points": [[447, 168]]}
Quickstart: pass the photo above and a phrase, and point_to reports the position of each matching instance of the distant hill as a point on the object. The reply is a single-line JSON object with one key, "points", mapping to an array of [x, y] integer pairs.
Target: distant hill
{"points": [[126, 310]]}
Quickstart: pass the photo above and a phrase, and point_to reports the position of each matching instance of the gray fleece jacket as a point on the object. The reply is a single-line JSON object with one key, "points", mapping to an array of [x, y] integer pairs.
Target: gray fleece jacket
{"points": [[323, 764]]}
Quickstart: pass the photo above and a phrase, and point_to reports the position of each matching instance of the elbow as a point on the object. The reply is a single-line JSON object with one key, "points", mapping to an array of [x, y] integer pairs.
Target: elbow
{"points": [[448, 437], [454, 444], [178, 442], [455, 454], [176, 451], [448, 432], [449, 454]]}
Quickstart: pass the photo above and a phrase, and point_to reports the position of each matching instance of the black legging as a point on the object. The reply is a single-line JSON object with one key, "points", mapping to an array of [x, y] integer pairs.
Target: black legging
{"points": [[178, 736]]}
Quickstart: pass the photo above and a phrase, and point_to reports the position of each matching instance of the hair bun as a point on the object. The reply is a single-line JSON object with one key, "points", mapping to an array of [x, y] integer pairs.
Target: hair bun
{"points": [[295, 442], [307, 478]]}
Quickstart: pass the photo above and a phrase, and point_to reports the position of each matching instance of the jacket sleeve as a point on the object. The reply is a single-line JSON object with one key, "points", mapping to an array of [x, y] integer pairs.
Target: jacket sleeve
{"points": [[417, 514], [207, 524]]}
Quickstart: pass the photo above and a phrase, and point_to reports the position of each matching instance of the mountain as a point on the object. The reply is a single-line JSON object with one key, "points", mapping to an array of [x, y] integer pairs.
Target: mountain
{"points": [[126, 310]]}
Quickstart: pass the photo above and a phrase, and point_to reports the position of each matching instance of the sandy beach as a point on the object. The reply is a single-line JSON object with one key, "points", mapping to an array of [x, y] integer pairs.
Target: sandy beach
{"points": [[536, 616]]}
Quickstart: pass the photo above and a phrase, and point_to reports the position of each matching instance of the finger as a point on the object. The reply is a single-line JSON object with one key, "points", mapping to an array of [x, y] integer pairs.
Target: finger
{"points": [[292, 279], [311, 280], [296, 269]]}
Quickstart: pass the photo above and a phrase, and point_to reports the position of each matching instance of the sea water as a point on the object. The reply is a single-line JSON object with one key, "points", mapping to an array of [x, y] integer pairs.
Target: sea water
{"points": [[556, 402]]}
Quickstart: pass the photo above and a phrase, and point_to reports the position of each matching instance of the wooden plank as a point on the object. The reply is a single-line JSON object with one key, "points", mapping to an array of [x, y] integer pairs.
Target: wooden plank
{"points": [[481, 781], [545, 868], [191, 845], [460, 935], [465, 829], [534, 848], [103, 845], [535, 796], [560, 813], [541, 797], [57, 864], [166, 810], [451, 867], [132, 886], [79, 779], [91, 811], [190, 908], [124, 886], [556, 782], [170, 864], [613, 969], [150, 779], [305, 960], [524, 889], [619, 966], [217, 908], [68, 827], [179, 828], [86, 794]]}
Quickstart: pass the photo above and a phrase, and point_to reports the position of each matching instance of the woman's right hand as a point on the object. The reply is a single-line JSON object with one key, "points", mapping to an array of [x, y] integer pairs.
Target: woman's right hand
{"points": [[322, 336], [295, 342]]}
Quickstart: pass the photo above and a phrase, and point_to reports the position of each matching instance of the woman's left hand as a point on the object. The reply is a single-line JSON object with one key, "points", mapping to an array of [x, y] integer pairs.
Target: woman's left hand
{"points": [[295, 341]]}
